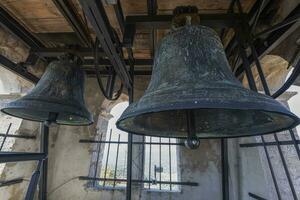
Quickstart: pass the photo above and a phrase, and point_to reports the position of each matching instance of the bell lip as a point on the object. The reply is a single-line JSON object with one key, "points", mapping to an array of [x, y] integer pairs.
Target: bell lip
{"points": [[90, 121], [283, 111]]}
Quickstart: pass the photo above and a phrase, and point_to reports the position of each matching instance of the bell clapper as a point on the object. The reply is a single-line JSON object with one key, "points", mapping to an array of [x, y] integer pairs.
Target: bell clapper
{"points": [[192, 141]]}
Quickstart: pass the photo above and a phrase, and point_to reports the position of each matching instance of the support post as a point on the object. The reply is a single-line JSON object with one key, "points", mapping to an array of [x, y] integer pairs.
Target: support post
{"points": [[225, 180], [44, 168]]}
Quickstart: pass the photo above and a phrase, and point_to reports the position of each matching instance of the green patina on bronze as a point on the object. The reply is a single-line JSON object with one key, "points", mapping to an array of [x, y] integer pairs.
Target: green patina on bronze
{"points": [[60, 91], [191, 72]]}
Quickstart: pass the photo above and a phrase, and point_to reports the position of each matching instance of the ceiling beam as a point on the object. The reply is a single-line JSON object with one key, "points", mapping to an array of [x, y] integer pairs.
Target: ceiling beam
{"points": [[67, 9], [96, 15], [8, 64], [14, 27], [164, 21], [133, 23]]}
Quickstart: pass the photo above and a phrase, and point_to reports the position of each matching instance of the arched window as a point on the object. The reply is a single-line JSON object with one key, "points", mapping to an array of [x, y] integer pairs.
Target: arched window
{"points": [[158, 166]]}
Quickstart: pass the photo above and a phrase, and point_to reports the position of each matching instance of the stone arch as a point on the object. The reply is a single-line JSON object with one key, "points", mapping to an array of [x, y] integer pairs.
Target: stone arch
{"points": [[101, 130]]}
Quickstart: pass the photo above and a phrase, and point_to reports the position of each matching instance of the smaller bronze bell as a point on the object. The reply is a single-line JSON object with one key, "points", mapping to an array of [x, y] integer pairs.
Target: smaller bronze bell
{"points": [[59, 92]]}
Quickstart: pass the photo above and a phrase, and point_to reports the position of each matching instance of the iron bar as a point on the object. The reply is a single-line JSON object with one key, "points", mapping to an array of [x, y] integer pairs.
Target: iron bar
{"points": [[67, 9], [97, 160], [255, 196], [11, 24], [84, 178], [271, 168], [4, 139], [170, 165], [225, 176], [259, 10], [8, 64], [119, 15], [295, 142], [280, 25], [260, 71], [143, 62], [125, 142], [129, 167], [107, 156], [290, 142], [44, 143], [152, 7], [95, 13], [285, 168], [247, 68], [59, 51], [116, 163], [150, 155], [160, 169], [11, 182], [164, 21], [265, 47], [18, 136], [33, 182], [20, 156], [288, 82], [252, 86]]}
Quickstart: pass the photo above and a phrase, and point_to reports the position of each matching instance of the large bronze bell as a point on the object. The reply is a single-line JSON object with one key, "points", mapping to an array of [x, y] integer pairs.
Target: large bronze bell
{"points": [[193, 92], [59, 92]]}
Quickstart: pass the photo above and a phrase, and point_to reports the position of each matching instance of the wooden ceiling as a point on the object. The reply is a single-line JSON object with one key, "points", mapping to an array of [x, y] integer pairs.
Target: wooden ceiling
{"points": [[42, 18]]}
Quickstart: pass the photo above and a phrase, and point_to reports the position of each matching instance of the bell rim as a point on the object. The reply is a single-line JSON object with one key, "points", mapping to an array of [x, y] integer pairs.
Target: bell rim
{"points": [[88, 117], [35, 120], [280, 110]]}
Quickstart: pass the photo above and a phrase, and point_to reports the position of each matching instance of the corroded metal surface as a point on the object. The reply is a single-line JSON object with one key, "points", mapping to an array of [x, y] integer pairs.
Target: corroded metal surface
{"points": [[59, 91], [191, 72]]}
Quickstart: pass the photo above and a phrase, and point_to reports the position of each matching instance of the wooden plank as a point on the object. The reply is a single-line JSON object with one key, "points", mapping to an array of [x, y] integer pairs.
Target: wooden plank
{"points": [[37, 15]]}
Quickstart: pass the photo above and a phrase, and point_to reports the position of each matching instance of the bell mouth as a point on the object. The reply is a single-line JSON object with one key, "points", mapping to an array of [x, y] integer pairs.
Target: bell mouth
{"points": [[36, 110], [70, 119], [209, 123]]}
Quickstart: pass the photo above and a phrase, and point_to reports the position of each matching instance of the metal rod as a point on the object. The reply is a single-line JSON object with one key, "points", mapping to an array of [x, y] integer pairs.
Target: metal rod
{"points": [[255, 196], [295, 142], [97, 160], [139, 181], [278, 26], [119, 15], [33, 182], [170, 165], [225, 179], [260, 71], [107, 156], [125, 142], [271, 168], [67, 9], [286, 170], [289, 82], [11, 182], [257, 144], [18, 136], [260, 8], [160, 163], [247, 68], [15, 68], [129, 167], [150, 151], [252, 86], [19, 156], [129, 146], [44, 170], [3, 141], [117, 157], [95, 13]]}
